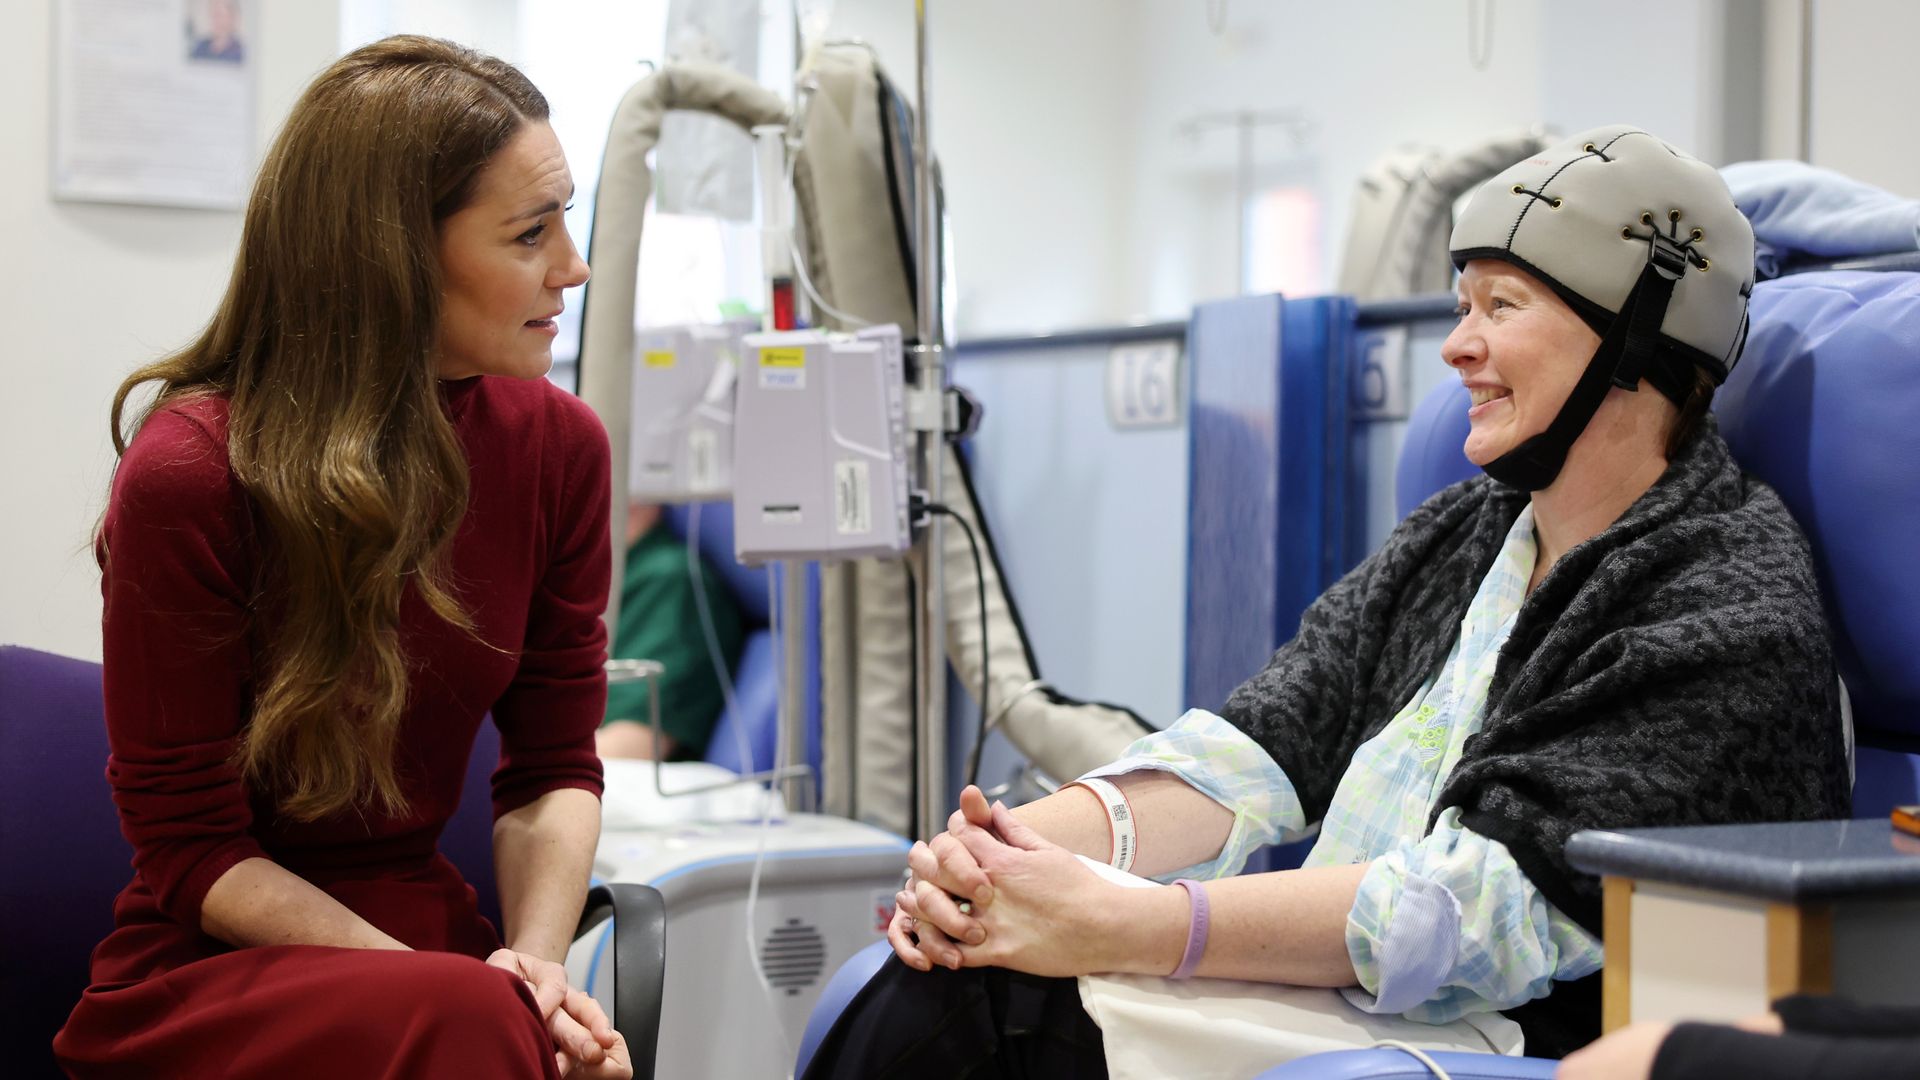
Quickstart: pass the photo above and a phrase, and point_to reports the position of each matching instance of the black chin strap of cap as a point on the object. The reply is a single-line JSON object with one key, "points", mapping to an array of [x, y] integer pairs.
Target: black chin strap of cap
{"points": [[1630, 349]]}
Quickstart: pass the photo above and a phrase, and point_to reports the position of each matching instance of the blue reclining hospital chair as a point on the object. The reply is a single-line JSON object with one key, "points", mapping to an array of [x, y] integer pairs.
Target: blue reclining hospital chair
{"points": [[63, 860], [1825, 407]]}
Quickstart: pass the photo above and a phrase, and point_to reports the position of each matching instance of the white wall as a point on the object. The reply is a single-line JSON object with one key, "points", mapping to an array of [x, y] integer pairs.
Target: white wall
{"points": [[91, 291], [1862, 66], [1031, 108], [1366, 76], [1076, 201]]}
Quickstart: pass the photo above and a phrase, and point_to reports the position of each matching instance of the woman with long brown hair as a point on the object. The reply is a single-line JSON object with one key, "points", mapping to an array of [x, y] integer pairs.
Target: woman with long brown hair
{"points": [[354, 520]]}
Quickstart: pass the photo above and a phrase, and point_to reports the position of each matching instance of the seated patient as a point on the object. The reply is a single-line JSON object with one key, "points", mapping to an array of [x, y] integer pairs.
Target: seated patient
{"points": [[1614, 627]]}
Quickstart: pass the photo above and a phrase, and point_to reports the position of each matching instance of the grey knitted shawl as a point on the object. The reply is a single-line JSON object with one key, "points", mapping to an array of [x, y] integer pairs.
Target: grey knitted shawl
{"points": [[1674, 670]]}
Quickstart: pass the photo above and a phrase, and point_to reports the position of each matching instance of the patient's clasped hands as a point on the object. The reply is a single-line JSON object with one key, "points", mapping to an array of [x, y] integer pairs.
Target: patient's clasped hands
{"points": [[1034, 906]]}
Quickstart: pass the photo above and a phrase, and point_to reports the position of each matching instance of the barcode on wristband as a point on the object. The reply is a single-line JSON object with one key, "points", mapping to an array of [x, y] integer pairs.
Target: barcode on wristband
{"points": [[1119, 820]]}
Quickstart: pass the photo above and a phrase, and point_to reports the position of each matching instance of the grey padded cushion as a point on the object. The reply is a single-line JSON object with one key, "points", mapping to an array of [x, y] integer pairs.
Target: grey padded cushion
{"points": [[1578, 220]]}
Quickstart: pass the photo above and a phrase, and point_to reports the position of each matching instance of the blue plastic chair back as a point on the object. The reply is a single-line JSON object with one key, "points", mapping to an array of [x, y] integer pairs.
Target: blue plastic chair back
{"points": [[1825, 407]]}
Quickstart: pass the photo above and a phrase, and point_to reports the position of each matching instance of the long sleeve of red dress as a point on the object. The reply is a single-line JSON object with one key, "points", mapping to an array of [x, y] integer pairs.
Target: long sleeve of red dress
{"points": [[183, 554], [179, 571], [562, 672]]}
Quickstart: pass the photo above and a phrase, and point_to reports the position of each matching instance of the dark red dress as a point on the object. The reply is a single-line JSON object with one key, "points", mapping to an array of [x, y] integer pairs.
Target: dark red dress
{"points": [[180, 555]]}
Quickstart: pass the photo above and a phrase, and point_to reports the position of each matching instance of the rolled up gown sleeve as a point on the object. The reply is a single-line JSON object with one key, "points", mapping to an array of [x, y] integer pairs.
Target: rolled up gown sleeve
{"points": [[1448, 925]]}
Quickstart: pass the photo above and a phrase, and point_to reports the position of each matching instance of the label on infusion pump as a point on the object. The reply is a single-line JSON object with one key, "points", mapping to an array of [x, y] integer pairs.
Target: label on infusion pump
{"points": [[658, 358], [852, 498], [783, 368], [703, 463]]}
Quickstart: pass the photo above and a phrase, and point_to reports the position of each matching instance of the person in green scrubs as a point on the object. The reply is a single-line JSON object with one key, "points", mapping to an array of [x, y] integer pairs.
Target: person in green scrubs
{"points": [[660, 620]]}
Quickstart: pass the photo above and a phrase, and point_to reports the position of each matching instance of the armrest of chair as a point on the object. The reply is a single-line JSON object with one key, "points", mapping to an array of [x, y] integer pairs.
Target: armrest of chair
{"points": [[639, 962], [836, 996], [1386, 1064]]}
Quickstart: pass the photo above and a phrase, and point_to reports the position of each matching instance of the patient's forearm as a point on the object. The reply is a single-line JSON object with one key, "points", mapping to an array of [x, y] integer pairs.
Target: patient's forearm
{"points": [[259, 902], [1177, 825], [1284, 927]]}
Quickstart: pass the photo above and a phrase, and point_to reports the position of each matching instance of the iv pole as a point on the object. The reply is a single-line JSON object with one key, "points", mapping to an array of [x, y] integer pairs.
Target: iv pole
{"points": [[929, 388]]}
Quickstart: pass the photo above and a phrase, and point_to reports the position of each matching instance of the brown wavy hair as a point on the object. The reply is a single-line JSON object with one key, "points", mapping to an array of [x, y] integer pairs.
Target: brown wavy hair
{"points": [[324, 347]]}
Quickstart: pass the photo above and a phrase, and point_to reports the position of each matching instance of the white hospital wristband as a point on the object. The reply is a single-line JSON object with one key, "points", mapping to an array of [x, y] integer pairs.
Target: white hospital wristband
{"points": [[1126, 842]]}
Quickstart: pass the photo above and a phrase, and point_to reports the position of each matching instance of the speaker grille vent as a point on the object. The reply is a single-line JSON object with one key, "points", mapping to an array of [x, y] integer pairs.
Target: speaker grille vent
{"points": [[793, 956]]}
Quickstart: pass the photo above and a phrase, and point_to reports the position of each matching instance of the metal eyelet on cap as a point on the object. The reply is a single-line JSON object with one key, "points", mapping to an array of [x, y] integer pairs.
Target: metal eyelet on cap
{"points": [[1519, 189], [1556, 203], [1704, 263], [1626, 232], [1673, 215], [1589, 148], [1646, 217], [1698, 235]]}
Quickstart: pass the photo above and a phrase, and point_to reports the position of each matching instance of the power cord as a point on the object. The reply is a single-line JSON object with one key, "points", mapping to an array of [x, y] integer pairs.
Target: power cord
{"points": [[920, 505], [1418, 1055]]}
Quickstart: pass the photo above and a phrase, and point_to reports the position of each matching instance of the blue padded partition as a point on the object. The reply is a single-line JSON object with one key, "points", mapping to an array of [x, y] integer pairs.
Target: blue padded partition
{"points": [[1268, 478], [1825, 407]]}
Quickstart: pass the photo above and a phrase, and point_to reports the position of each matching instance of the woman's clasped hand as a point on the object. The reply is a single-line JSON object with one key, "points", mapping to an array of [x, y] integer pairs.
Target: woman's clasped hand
{"points": [[586, 1046], [990, 892]]}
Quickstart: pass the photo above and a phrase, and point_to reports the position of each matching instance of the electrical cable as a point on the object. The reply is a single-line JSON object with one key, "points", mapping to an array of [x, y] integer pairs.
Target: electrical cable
{"points": [[1418, 1055], [800, 264], [745, 749], [986, 682], [781, 704]]}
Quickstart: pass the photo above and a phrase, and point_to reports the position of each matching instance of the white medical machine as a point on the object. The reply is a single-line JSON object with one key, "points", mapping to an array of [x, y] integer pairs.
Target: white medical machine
{"points": [[822, 417], [682, 412], [825, 891]]}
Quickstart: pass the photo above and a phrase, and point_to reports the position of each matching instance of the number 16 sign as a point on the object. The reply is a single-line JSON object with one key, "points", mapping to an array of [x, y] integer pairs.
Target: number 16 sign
{"points": [[1143, 384]]}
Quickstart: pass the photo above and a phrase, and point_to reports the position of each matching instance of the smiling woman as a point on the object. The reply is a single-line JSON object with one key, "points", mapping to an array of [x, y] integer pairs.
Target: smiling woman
{"points": [[335, 542]]}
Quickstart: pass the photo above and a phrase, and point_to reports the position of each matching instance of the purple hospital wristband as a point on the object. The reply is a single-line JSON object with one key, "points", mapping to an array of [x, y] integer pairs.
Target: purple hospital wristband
{"points": [[1196, 929]]}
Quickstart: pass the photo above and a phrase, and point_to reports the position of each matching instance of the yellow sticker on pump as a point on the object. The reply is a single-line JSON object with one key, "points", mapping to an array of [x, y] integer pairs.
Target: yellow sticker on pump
{"points": [[658, 358], [785, 356]]}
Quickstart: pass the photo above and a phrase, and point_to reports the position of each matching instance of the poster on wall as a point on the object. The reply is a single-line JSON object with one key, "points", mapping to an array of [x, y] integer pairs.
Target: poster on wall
{"points": [[153, 101]]}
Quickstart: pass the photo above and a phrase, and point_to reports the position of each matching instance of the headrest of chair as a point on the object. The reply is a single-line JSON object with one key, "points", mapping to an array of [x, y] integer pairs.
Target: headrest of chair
{"points": [[1826, 408], [748, 584], [1434, 454]]}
